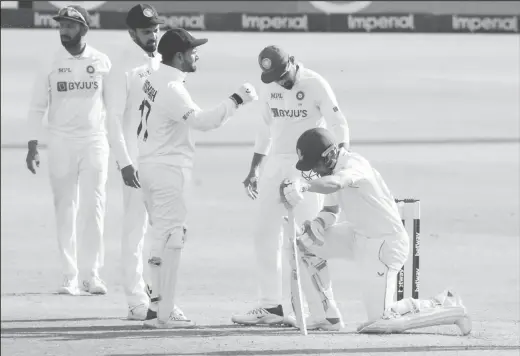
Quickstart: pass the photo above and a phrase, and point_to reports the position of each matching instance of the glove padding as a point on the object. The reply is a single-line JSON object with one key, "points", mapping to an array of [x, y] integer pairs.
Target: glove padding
{"points": [[245, 94], [291, 192]]}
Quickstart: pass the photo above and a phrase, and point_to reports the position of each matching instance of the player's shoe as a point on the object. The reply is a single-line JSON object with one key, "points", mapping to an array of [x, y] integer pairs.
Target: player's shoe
{"points": [[268, 316], [70, 287], [95, 285], [175, 321], [141, 312], [327, 324]]}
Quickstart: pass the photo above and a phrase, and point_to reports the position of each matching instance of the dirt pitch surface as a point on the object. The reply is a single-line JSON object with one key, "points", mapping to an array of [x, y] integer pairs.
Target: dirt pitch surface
{"points": [[457, 94]]}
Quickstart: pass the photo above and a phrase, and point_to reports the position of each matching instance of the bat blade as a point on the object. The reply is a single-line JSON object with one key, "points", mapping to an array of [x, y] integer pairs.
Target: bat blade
{"points": [[296, 287]]}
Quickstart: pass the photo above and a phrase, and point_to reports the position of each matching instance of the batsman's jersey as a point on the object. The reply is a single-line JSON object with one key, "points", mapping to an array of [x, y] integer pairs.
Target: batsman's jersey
{"points": [[71, 89], [289, 113], [123, 86], [168, 116], [366, 201]]}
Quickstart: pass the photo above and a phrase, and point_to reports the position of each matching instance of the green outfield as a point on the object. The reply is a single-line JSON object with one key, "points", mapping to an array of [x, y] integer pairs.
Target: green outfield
{"points": [[392, 88]]}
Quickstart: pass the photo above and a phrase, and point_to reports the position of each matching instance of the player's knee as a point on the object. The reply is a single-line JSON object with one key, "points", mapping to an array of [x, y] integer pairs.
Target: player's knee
{"points": [[177, 238]]}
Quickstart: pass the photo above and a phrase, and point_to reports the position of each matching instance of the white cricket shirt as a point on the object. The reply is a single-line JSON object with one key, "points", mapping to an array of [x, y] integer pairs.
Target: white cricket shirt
{"points": [[71, 89], [289, 113], [366, 201], [168, 116], [124, 96]]}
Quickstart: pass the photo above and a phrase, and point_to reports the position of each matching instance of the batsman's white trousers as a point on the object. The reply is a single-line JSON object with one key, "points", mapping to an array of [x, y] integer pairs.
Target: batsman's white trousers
{"points": [[164, 191], [268, 233], [135, 222], [78, 171], [378, 259]]}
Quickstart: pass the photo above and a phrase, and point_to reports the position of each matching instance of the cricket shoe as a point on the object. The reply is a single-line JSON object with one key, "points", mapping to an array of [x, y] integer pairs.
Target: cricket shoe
{"points": [[95, 286], [175, 321], [141, 312], [70, 287], [268, 316], [311, 323]]}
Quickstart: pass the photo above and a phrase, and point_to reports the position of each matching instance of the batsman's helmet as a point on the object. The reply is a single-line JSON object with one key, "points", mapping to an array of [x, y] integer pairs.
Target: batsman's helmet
{"points": [[314, 145]]}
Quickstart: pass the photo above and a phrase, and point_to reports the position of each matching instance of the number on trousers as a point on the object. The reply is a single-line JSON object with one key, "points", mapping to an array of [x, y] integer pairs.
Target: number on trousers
{"points": [[144, 104]]}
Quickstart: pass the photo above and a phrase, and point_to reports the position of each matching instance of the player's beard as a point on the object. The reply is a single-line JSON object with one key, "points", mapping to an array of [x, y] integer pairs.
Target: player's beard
{"points": [[68, 42], [150, 46], [288, 84], [189, 67]]}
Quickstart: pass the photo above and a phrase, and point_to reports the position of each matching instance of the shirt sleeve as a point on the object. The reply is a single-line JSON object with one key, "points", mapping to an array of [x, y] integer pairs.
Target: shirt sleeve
{"points": [[39, 103], [330, 200], [114, 95], [330, 110], [203, 120], [264, 140]]}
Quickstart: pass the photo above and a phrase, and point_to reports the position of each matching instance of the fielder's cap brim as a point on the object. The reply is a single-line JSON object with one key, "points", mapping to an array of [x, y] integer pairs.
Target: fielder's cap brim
{"points": [[198, 42], [59, 18]]}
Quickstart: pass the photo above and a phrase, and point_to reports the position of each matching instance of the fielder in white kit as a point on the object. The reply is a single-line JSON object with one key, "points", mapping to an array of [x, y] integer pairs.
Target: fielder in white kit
{"points": [[166, 150], [372, 235], [71, 88], [135, 63], [294, 100]]}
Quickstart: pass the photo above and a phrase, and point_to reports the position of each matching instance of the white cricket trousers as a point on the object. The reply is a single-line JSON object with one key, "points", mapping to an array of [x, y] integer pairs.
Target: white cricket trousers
{"points": [[135, 221], [378, 261], [268, 232], [78, 171], [164, 191]]}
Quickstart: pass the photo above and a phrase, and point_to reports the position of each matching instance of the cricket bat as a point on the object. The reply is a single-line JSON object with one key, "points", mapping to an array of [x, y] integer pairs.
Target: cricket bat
{"points": [[296, 286]]}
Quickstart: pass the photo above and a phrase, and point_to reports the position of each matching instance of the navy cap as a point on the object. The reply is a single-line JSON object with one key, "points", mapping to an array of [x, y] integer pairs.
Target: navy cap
{"points": [[178, 40], [274, 62], [142, 16], [74, 13], [313, 145]]}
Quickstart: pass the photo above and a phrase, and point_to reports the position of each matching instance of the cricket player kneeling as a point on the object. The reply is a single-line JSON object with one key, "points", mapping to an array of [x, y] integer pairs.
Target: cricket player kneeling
{"points": [[372, 235]]}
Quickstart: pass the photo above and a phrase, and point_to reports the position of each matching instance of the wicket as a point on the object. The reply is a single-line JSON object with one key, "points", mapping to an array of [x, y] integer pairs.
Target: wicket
{"points": [[411, 267]]}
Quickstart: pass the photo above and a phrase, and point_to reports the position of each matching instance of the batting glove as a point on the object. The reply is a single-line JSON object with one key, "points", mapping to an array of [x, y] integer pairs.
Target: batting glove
{"points": [[291, 192], [33, 157], [245, 94]]}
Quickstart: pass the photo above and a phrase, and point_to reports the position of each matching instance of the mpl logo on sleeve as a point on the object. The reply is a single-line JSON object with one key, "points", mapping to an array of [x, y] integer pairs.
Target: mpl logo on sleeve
{"points": [[485, 24]]}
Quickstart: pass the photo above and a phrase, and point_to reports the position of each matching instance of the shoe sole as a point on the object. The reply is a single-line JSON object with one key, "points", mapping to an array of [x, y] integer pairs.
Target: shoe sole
{"points": [[154, 326], [68, 292], [261, 321]]}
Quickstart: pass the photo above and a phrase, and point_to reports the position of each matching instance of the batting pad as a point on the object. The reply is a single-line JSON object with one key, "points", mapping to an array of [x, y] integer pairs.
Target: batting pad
{"points": [[168, 275], [422, 319]]}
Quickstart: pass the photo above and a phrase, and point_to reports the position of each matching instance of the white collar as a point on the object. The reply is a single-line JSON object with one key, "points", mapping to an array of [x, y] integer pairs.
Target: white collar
{"points": [[87, 52], [173, 73]]}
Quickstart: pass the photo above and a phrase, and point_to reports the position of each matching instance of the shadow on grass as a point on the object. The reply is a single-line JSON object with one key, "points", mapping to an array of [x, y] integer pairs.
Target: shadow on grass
{"points": [[61, 320], [66, 333], [361, 350]]}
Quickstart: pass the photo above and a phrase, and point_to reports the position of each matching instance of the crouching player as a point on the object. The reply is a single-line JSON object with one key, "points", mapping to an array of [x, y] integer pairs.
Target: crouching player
{"points": [[372, 235]]}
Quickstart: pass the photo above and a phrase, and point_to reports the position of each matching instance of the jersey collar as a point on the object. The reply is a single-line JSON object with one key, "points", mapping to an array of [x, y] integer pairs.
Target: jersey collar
{"points": [[87, 52], [173, 73]]}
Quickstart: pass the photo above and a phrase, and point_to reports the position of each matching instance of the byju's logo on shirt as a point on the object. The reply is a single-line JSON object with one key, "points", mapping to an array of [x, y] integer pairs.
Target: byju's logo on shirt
{"points": [[70, 86], [289, 113]]}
